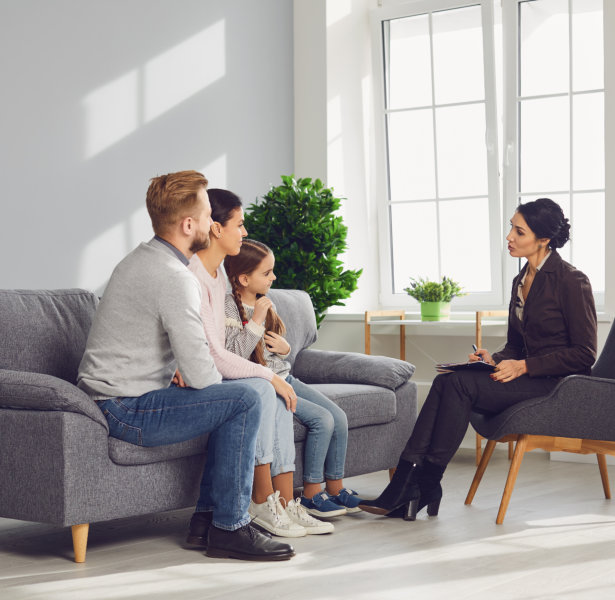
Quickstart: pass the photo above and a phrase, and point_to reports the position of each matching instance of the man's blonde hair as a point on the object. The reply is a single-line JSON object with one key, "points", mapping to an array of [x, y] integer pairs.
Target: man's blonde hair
{"points": [[173, 197]]}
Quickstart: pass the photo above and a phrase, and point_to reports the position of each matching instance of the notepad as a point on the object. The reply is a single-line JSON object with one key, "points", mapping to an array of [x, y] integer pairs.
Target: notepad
{"points": [[477, 365]]}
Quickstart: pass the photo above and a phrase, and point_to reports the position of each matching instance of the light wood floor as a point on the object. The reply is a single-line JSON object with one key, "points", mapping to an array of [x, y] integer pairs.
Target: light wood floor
{"points": [[558, 540]]}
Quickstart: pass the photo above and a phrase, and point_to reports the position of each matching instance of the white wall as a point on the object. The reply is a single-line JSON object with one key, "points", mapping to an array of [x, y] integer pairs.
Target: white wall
{"points": [[98, 97]]}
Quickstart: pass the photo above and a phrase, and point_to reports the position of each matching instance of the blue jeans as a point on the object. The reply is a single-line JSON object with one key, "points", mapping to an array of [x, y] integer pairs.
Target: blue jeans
{"points": [[327, 436], [275, 441], [230, 413]]}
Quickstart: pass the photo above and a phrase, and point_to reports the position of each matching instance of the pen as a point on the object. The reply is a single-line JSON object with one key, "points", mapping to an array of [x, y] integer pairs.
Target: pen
{"points": [[475, 350]]}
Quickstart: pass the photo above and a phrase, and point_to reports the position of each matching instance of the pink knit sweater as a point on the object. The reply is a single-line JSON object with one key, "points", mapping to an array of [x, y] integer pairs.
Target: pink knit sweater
{"points": [[231, 366]]}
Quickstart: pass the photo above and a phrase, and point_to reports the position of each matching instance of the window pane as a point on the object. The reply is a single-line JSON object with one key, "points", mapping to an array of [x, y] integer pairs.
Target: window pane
{"points": [[415, 242], [462, 153], [544, 47], [464, 235], [588, 137], [545, 145], [411, 155], [588, 239], [458, 55], [587, 45], [409, 63]]}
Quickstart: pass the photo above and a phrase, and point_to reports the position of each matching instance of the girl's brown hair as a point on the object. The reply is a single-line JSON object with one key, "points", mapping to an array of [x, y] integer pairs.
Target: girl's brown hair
{"points": [[250, 256]]}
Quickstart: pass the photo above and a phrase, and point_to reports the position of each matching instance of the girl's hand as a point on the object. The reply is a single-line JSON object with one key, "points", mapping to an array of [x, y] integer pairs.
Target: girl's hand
{"points": [[261, 306], [276, 343], [507, 370], [481, 353], [178, 380], [285, 390]]}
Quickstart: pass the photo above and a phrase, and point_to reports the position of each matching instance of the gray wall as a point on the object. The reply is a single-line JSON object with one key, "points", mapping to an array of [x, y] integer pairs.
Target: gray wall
{"points": [[99, 96]]}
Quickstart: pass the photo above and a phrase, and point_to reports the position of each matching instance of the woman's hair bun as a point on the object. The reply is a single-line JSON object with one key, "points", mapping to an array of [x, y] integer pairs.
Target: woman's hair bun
{"points": [[546, 219]]}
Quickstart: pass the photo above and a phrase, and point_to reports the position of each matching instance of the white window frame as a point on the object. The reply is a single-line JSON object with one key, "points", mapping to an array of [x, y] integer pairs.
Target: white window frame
{"points": [[501, 205], [512, 97], [421, 7]]}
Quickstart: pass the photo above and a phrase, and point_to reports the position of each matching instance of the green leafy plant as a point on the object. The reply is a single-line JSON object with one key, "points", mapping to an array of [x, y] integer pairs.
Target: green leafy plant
{"points": [[424, 290], [297, 221]]}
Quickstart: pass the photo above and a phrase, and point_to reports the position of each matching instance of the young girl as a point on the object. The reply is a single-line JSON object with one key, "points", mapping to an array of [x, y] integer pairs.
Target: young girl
{"points": [[255, 331]]}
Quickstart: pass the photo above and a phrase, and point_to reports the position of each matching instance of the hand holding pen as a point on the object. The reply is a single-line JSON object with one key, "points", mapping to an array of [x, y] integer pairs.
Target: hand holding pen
{"points": [[480, 354]]}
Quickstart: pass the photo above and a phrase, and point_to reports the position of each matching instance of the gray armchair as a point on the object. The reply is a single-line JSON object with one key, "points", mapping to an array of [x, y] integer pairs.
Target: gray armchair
{"points": [[577, 416], [58, 464]]}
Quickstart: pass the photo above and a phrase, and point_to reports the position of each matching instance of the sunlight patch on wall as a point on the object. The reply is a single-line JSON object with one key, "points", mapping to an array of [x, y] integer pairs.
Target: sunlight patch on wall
{"points": [[337, 10], [120, 107], [184, 70], [102, 254], [216, 172], [111, 113]]}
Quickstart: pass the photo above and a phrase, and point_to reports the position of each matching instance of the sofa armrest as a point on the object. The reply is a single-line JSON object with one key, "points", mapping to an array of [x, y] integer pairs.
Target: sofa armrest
{"points": [[322, 366], [37, 391]]}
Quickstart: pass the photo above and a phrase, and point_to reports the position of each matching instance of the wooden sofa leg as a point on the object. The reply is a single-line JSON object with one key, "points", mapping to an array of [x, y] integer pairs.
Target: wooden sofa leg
{"points": [[80, 541], [604, 474], [512, 477], [480, 470]]}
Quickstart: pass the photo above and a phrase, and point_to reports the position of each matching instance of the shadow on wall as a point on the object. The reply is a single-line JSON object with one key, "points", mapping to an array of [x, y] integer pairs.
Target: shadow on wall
{"points": [[103, 96]]}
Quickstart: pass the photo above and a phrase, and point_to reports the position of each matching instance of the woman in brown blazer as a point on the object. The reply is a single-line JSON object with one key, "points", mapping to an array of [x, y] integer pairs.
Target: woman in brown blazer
{"points": [[551, 334]]}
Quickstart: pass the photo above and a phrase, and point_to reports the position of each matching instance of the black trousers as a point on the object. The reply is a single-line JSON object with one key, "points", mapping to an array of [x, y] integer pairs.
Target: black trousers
{"points": [[444, 418]]}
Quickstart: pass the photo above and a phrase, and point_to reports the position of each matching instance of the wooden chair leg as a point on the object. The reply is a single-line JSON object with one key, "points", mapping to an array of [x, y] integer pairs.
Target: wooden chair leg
{"points": [[482, 466], [604, 474], [479, 448], [80, 541], [512, 477], [511, 450], [392, 472]]}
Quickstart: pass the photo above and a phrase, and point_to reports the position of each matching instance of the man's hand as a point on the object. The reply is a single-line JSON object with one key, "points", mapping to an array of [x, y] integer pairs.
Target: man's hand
{"points": [[276, 343], [507, 370], [178, 380], [285, 390]]}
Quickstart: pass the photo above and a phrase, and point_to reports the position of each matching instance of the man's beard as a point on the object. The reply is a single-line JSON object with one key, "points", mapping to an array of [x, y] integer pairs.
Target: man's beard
{"points": [[200, 243]]}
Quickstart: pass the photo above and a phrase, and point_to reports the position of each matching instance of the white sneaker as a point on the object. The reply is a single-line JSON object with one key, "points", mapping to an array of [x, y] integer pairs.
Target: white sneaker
{"points": [[299, 515], [270, 515]]}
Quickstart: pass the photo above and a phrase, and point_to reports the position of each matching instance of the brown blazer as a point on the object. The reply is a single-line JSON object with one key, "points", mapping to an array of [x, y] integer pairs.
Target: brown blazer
{"points": [[558, 336]]}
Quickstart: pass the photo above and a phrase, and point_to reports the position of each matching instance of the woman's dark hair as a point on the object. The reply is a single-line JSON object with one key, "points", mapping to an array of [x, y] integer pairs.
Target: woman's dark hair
{"points": [[546, 219], [223, 204], [250, 256]]}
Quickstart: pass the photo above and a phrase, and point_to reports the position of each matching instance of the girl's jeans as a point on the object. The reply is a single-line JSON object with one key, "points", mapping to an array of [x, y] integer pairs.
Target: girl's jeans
{"points": [[327, 437]]}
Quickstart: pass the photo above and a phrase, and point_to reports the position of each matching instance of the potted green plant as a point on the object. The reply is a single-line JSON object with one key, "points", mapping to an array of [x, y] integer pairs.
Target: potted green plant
{"points": [[435, 297], [297, 221]]}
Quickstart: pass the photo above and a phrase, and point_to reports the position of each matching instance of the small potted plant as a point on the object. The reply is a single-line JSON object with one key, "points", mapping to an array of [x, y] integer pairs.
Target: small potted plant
{"points": [[435, 297]]}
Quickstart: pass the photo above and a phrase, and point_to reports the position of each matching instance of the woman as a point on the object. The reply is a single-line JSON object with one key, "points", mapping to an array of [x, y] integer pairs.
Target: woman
{"points": [[275, 445], [551, 334]]}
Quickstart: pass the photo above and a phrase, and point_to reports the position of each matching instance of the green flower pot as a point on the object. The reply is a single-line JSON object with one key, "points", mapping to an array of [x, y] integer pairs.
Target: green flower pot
{"points": [[435, 311]]}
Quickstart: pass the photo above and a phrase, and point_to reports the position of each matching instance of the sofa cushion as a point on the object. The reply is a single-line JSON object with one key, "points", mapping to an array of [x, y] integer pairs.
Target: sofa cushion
{"points": [[363, 405], [45, 331], [324, 366], [123, 453]]}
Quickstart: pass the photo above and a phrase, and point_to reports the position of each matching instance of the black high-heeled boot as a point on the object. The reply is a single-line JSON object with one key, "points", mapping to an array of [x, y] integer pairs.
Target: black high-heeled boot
{"points": [[401, 493], [430, 487]]}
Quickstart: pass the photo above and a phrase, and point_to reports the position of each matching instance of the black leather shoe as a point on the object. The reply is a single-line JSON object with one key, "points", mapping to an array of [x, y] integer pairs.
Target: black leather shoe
{"points": [[198, 530], [246, 543]]}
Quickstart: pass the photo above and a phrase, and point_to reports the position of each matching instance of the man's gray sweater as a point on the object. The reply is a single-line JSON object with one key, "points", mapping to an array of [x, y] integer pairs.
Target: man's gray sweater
{"points": [[146, 326]]}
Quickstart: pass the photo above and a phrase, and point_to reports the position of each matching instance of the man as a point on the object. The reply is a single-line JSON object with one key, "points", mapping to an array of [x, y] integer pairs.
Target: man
{"points": [[146, 327]]}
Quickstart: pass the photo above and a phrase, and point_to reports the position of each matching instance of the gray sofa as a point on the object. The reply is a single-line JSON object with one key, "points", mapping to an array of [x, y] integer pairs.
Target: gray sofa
{"points": [[58, 464]]}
